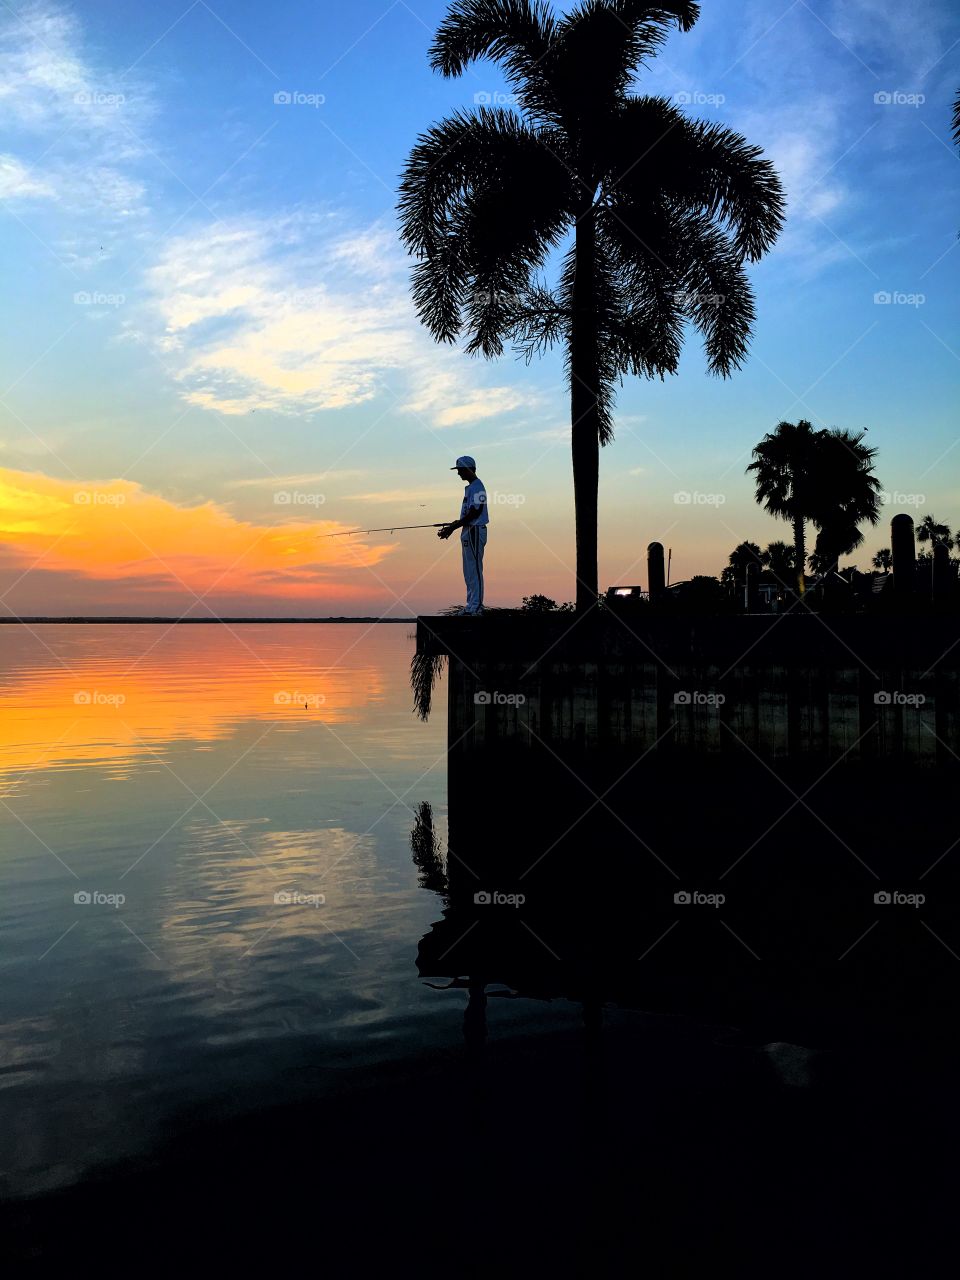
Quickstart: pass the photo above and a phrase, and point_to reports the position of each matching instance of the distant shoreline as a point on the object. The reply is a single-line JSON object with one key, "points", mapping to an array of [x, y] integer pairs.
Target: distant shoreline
{"points": [[199, 621]]}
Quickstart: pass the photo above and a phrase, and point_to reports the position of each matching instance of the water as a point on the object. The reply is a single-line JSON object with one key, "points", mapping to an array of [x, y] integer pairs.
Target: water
{"points": [[199, 771], [238, 1016]]}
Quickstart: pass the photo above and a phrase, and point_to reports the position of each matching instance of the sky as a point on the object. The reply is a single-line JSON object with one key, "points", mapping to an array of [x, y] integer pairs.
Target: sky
{"points": [[210, 356]]}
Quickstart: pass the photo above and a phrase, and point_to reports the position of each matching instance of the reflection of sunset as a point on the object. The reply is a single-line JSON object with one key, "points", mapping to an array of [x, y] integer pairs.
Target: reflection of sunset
{"points": [[113, 708], [116, 531]]}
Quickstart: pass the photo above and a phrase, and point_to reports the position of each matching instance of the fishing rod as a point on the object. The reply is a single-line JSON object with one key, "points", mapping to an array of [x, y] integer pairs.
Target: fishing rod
{"points": [[387, 528]]}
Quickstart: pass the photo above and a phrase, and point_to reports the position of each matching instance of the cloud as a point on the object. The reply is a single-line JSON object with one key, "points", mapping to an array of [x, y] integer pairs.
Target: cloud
{"points": [[49, 89], [294, 315], [116, 531]]}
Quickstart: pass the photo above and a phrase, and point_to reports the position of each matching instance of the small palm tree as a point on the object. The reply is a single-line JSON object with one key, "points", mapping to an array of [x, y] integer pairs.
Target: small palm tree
{"points": [[653, 214], [784, 463], [846, 494], [931, 530], [779, 560], [747, 553], [883, 559]]}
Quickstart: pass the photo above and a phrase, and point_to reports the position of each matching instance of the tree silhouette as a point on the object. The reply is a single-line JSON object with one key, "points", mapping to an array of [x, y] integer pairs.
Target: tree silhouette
{"points": [[846, 494], [652, 215], [883, 559], [931, 530], [779, 560], [784, 463]]}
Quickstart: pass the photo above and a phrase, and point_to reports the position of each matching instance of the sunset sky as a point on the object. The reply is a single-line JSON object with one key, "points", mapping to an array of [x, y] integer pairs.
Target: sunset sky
{"points": [[210, 357]]}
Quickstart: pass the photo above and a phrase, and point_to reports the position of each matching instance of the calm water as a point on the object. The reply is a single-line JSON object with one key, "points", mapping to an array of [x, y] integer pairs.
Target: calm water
{"points": [[199, 771]]}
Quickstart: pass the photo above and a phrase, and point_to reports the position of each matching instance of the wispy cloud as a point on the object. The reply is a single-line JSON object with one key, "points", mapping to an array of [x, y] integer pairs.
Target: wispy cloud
{"points": [[295, 315]]}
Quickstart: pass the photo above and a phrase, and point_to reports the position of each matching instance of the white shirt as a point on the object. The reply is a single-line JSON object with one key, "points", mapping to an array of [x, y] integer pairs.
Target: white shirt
{"points": [[474, 495]]}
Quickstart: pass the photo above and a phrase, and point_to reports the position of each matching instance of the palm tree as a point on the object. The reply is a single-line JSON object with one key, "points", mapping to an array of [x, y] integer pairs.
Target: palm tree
{"points": [[883, 559], [664, 211], [784, 462], [779, 560], [846, 494], [931, 530], [741, 556]]}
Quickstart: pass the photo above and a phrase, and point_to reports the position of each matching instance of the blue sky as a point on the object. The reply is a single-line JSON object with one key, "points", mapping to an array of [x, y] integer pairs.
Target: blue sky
{"points": [[243, 326]]}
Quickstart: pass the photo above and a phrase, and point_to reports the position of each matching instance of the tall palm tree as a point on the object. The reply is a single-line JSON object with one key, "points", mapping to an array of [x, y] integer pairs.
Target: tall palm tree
{"points": [[784, 463], [846, 494], [655, 213], [931, 530]]}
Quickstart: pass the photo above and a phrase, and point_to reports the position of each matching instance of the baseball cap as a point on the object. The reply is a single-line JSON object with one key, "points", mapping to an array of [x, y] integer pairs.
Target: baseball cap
{"points": [[465, 461]]}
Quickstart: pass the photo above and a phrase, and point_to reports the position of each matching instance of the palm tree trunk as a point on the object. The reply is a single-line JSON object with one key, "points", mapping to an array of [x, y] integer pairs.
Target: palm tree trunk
{"points": [[585, 420], [800, 551]]}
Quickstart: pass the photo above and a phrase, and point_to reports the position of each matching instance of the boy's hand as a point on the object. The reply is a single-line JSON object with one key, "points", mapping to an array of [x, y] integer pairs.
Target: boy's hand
{"points": [[446, 531]]}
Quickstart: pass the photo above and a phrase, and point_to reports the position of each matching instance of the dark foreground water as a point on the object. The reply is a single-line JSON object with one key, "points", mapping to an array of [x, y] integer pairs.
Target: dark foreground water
{"points": [[252, 1012]]}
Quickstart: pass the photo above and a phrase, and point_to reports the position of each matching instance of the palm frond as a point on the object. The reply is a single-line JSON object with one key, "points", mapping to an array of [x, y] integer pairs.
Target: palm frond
{"points": [[517, 34]]}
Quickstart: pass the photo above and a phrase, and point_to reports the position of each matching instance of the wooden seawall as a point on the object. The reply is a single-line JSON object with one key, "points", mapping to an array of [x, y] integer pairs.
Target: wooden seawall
{"points": [[791, 688]]}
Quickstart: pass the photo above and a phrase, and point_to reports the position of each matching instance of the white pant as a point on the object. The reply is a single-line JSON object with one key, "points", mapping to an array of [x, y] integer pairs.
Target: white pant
{"points": [[473, 539]]}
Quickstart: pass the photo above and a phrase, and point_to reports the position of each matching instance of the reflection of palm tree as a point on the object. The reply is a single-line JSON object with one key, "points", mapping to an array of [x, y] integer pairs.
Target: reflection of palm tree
{"points": [[931, 530], [784, 462], [426, 851], [883, 559], [847, 494], [664, 212]]}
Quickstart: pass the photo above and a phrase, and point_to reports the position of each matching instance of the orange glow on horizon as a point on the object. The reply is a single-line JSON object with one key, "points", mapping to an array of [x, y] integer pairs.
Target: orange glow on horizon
{"points": [[115, 531]]}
